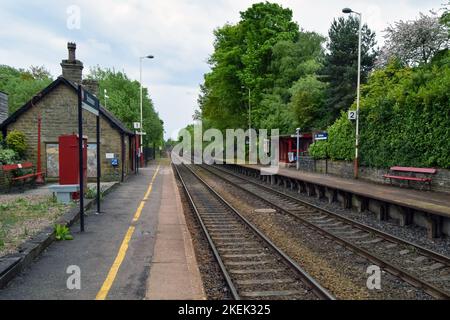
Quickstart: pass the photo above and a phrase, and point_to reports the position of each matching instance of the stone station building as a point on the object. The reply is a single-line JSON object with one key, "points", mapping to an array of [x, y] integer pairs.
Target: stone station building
{"points": [[57, 107]]}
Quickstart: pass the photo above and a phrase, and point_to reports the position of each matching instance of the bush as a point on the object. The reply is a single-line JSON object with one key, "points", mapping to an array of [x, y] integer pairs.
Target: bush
{"points": [[404, 119], [341, 139], [319, 150], [7, 156], [16, 141]]}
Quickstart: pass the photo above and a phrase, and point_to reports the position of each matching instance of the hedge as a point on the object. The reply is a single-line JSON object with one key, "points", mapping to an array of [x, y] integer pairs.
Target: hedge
{"points": [[404, 119]]}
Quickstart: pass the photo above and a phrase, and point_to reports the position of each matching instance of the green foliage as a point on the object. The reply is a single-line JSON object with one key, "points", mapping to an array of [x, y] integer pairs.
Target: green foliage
{"points": [[241, 62], [404, 115], [8, 156], [341, 63], [21, 85], [308, 97], [341, 139], [16, 140], [124, 103], [266, 53], [319, 150], [405, 118], [445, 18], [62, 233], [91, 193]]}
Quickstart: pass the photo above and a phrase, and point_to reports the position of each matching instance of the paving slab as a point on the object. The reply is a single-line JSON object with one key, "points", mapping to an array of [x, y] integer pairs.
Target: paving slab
{"points": [[174, 273]]}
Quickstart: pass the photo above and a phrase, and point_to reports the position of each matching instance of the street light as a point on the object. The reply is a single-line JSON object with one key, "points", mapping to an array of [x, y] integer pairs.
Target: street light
{"points": [[356, 164], [140, 81], [105, 93], [249, 115]]}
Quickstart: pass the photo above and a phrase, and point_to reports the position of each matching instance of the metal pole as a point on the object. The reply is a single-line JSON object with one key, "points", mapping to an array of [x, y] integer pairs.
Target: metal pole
{"points": [[98, 164], [358, 98], [136, 147], [249, 109], [80, 156], [39, 178], [298, 149], [141, 129], [105, 94]]}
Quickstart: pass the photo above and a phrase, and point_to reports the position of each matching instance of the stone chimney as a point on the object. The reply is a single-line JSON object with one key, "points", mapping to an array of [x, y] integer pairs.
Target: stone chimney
{"points": [[72, 69], [3, 106]]}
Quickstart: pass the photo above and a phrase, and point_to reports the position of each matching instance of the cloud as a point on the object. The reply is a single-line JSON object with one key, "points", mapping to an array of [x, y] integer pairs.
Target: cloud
{"points": [[179, 33], [179, 105]]}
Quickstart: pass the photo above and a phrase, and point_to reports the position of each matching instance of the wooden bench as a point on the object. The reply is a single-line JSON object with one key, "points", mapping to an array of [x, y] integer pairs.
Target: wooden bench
{"points": [[24, 178], [411, 171]]}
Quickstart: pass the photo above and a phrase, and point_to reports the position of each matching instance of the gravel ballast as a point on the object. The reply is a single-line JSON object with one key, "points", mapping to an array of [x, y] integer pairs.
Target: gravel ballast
{"points": [[336, 268]]}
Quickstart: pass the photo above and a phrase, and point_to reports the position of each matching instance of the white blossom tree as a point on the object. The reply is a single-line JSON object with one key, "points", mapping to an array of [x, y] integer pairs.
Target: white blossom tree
{"points": [[414, 42]]}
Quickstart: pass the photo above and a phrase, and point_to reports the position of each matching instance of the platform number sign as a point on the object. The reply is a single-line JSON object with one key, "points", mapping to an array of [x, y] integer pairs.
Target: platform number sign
{"points": [[352, 114], [90, 102]]}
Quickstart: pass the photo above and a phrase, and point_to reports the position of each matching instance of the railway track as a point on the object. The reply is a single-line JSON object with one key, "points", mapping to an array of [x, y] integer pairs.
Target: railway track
{"points": [[418, 266], [253, 267]]}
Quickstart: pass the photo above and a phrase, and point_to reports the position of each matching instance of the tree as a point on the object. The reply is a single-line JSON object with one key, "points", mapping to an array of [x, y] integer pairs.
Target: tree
{"points": [[263, 25], [292, 61], [308, 98], [124, 103], [241, 61], [415, 42], [445, 18], [341, 63], [217, 101], [405, 116], [21, 85]]}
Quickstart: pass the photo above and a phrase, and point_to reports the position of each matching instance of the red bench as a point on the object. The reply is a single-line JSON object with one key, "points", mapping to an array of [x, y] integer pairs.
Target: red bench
{"points": [[426, 179], [26, 165]]}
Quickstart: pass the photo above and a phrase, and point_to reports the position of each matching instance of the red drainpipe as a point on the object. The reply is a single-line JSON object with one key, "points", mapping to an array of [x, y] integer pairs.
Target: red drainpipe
{"points": [[39, 178]]}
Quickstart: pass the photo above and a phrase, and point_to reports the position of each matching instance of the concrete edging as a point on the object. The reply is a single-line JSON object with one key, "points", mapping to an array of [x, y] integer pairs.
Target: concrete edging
{"points": [[11, 265]]}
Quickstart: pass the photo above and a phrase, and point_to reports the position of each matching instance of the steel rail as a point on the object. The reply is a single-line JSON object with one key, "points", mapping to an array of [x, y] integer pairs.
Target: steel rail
{"points": [[389, 267], [225, 273], [307, 279], [434, 255]]}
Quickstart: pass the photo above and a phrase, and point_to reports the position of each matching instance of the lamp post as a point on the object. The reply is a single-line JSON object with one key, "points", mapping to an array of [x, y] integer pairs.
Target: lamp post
{"points": [[249, 110], [140, 81], [358, 96], [249, 116], [105, 94]]}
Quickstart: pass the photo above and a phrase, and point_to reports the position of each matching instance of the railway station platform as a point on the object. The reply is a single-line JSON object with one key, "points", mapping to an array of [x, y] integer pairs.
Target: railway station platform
{"points": [[137, 248], [174, 274], [423, 208]]}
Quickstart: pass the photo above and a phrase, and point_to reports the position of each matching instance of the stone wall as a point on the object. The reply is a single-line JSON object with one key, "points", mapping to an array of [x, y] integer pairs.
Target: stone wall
{"points": [[59, 115], [344, 169]]}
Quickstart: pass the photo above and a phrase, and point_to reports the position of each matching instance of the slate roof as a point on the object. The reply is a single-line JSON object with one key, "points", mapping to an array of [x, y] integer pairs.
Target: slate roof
{"points": [[105, 113]]}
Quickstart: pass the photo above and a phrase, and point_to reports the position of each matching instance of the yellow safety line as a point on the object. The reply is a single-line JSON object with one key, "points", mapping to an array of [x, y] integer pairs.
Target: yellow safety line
{"points": [[138, 212], [104, 290], [151, 184], [101, 295]]}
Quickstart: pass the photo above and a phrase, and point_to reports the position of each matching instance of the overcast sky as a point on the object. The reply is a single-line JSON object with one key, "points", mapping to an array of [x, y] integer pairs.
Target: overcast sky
{"points": [[179, 33]]}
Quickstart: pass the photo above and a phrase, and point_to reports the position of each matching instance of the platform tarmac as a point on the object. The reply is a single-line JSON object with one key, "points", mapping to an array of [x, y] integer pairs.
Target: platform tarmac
{"points": [[137, 248]]}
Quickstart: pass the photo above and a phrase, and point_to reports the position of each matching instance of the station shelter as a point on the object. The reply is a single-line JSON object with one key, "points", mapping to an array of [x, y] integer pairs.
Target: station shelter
{"points": [[288, 147]]}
